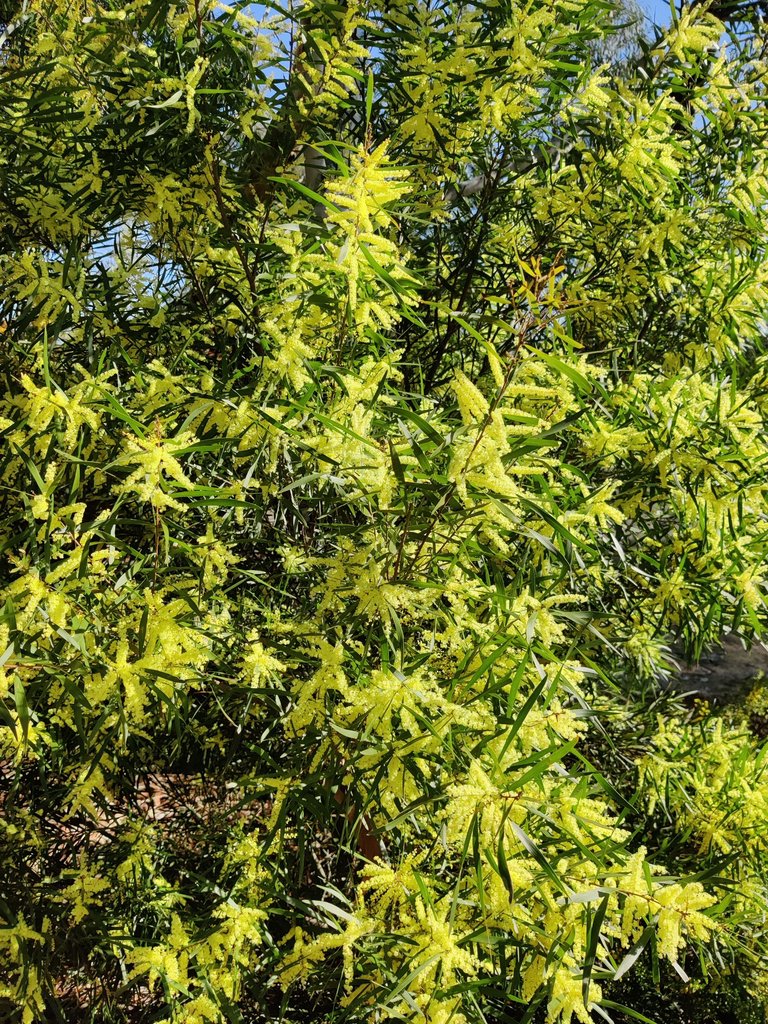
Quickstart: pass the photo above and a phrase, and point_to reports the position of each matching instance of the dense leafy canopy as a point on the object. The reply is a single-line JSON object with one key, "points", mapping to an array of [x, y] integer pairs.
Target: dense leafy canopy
{"points": [[383, 390]]}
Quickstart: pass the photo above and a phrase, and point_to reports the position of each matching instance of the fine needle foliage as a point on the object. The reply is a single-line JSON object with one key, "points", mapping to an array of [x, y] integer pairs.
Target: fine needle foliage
{"points": [[384, 389]]}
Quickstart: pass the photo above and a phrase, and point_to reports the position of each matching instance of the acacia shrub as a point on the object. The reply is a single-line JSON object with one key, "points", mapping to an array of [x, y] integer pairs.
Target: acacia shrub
{"points": [[382, 388]]}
